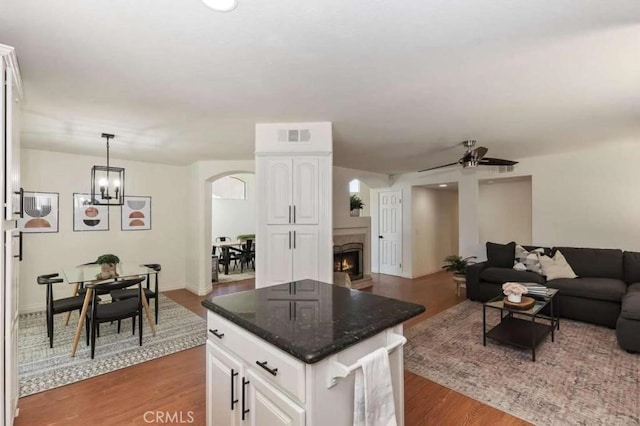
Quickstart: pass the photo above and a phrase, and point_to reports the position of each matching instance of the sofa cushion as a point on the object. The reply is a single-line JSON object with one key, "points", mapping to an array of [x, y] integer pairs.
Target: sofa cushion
{"points": [[633, 288], [528, 259], [594, 263], [631, 306], [501, 255], [556, 267], [590, 288], [503, 275], [631, 260]]}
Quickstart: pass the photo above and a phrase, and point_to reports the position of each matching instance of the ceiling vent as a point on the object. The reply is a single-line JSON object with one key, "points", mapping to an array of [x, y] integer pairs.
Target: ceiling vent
{"points": [[294, 135], [505, 169]]}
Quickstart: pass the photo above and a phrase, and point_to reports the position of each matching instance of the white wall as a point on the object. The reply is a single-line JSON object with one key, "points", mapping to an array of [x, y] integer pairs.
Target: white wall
{"points": [[341, 178], [200, 176], [64, 173], [586, 198], [435, 228], [230, 218], [504, 211]]}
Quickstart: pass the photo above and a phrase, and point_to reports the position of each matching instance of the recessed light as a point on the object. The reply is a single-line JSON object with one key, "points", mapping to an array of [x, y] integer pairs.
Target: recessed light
{"points": [[443, 185], [221, 5]]}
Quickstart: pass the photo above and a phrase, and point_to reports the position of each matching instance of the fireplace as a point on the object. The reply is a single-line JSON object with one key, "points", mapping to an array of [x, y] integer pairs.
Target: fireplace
{"points": [[348, 258]]}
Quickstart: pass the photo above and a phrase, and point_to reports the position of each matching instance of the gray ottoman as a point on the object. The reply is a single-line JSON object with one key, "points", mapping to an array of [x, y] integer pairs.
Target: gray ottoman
{"points": [[628, 326]]}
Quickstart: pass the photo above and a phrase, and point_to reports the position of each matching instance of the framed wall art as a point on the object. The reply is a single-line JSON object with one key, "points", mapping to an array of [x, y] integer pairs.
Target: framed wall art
{"points": [[136, 213], [40, 212], [88, 217]]}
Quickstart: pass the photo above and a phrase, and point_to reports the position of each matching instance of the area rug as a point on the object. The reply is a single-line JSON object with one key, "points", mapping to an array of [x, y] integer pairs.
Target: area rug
{"points": [[42, 368], [583, 378], [235, 276]]}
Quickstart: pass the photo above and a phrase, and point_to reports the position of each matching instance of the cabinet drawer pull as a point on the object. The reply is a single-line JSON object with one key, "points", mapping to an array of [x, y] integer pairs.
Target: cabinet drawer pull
{"points": [[244, 397], [273, 371], [289, 214], [233, 376], [215, 333]]}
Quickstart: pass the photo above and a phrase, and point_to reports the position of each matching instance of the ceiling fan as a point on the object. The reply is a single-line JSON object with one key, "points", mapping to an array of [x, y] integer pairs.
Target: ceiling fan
{"points": [[475, 157]]}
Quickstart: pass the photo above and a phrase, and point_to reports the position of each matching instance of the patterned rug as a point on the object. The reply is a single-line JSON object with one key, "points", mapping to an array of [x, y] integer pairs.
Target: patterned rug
{"points": [[42, 368], [235, 276], [583, 378]]}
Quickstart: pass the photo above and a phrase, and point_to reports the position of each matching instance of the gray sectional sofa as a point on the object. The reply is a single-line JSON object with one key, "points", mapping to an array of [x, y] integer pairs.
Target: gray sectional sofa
{"points": [[606, 291]]}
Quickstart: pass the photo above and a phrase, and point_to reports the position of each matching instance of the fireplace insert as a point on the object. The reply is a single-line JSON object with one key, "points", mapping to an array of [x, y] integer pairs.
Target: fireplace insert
{"points": [[348, 258]]}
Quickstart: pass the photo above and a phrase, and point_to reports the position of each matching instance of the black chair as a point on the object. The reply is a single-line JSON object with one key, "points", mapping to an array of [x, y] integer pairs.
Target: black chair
{"points": [[58, 306], [149, 294], [248, 255], [227, 254], [117, 310]]}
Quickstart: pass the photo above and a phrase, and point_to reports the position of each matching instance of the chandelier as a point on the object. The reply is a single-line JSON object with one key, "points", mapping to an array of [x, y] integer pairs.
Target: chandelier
{"points": [[107, 182]]}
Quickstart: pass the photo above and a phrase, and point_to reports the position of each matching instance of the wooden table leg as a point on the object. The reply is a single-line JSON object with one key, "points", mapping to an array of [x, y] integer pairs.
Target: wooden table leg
{"points": [[75, 291], [147, 311], [85, 306]]}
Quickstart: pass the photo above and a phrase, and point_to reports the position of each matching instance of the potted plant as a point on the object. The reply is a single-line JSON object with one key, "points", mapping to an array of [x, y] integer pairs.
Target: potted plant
{"points": [[457, 264], [244, 237], [107, 264], [356, 204]]}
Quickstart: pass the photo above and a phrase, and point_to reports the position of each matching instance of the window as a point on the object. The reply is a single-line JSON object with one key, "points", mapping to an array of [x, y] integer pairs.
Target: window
{"points": [[229, 188], [354, 186]]}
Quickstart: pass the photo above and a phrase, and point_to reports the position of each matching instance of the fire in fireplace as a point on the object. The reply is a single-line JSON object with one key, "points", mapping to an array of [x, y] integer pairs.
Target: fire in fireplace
{"points": [[348, 258]]}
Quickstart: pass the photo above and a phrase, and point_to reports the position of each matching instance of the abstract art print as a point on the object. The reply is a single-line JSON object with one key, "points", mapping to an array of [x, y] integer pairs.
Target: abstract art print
{"points": [[136, 213], [40, 212], [89, 217]]}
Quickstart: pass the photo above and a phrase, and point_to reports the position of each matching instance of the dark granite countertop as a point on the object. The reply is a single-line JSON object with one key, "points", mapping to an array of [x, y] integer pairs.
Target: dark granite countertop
{"points": [[310, 319]]}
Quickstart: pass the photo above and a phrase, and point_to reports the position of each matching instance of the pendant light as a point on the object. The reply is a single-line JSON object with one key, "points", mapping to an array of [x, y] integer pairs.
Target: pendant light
{"points": [[107, 182]]}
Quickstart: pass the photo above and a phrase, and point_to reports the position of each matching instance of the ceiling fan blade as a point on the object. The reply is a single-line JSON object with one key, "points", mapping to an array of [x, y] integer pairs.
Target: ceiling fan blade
{"points": [[480, 152], [496, 162], [439, 167]]}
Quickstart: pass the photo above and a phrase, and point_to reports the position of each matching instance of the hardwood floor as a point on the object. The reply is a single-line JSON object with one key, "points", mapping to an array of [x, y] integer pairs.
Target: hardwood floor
{"points": [[171, 389]]}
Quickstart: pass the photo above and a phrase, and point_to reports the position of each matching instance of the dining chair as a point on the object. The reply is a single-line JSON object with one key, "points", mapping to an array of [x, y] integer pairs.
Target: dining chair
{"points": [[149, 294], [59, 306], [248, 255], [231, 255], [116, 310]]}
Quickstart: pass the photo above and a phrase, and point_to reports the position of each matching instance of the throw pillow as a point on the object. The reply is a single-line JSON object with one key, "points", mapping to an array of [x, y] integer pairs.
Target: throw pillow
{"points": [[558, 267], [501, 255], [528, 259]]}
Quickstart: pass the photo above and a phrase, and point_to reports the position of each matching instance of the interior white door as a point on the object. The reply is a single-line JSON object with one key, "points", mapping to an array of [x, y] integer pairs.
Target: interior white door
{"points": [[306, 186], [279, 191], [270, 407], [224, 374], [305, 253], [390, 232]]}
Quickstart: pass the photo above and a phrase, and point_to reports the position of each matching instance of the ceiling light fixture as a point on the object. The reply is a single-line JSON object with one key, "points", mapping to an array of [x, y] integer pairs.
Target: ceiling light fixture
{"points": [[221, 5], [107, 182], [443, 185]]}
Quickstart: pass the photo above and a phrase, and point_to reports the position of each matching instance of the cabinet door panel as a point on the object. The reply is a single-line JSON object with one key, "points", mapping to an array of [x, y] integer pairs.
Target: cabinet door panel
{"points": [[305, 253], [278, 255], [220, 366], [270, 407], [306, 190], [12, 159], [278, 197]]}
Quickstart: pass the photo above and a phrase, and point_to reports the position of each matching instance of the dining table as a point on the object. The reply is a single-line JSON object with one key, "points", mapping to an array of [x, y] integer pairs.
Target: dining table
{"points": [[88, 274]]}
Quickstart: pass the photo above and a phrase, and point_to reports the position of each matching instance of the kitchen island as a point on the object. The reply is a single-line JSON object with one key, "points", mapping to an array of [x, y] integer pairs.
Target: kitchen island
{"points": [[284, 355]]}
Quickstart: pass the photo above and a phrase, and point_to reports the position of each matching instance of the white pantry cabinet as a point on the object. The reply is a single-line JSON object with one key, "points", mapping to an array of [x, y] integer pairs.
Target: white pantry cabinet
{"points": [[292, 190], [294, 231]]}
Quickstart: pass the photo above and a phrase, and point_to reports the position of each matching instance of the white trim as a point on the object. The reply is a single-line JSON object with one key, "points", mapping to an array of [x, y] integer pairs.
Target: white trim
{"points": [[9, 55]]}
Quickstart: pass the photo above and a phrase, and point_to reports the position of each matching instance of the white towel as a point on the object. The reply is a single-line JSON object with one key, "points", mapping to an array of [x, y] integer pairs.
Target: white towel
{"points": [[373, 392]]}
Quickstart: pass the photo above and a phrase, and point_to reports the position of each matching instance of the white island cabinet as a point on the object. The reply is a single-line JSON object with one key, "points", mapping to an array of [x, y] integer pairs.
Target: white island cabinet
{"points": [[279, 356]]}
